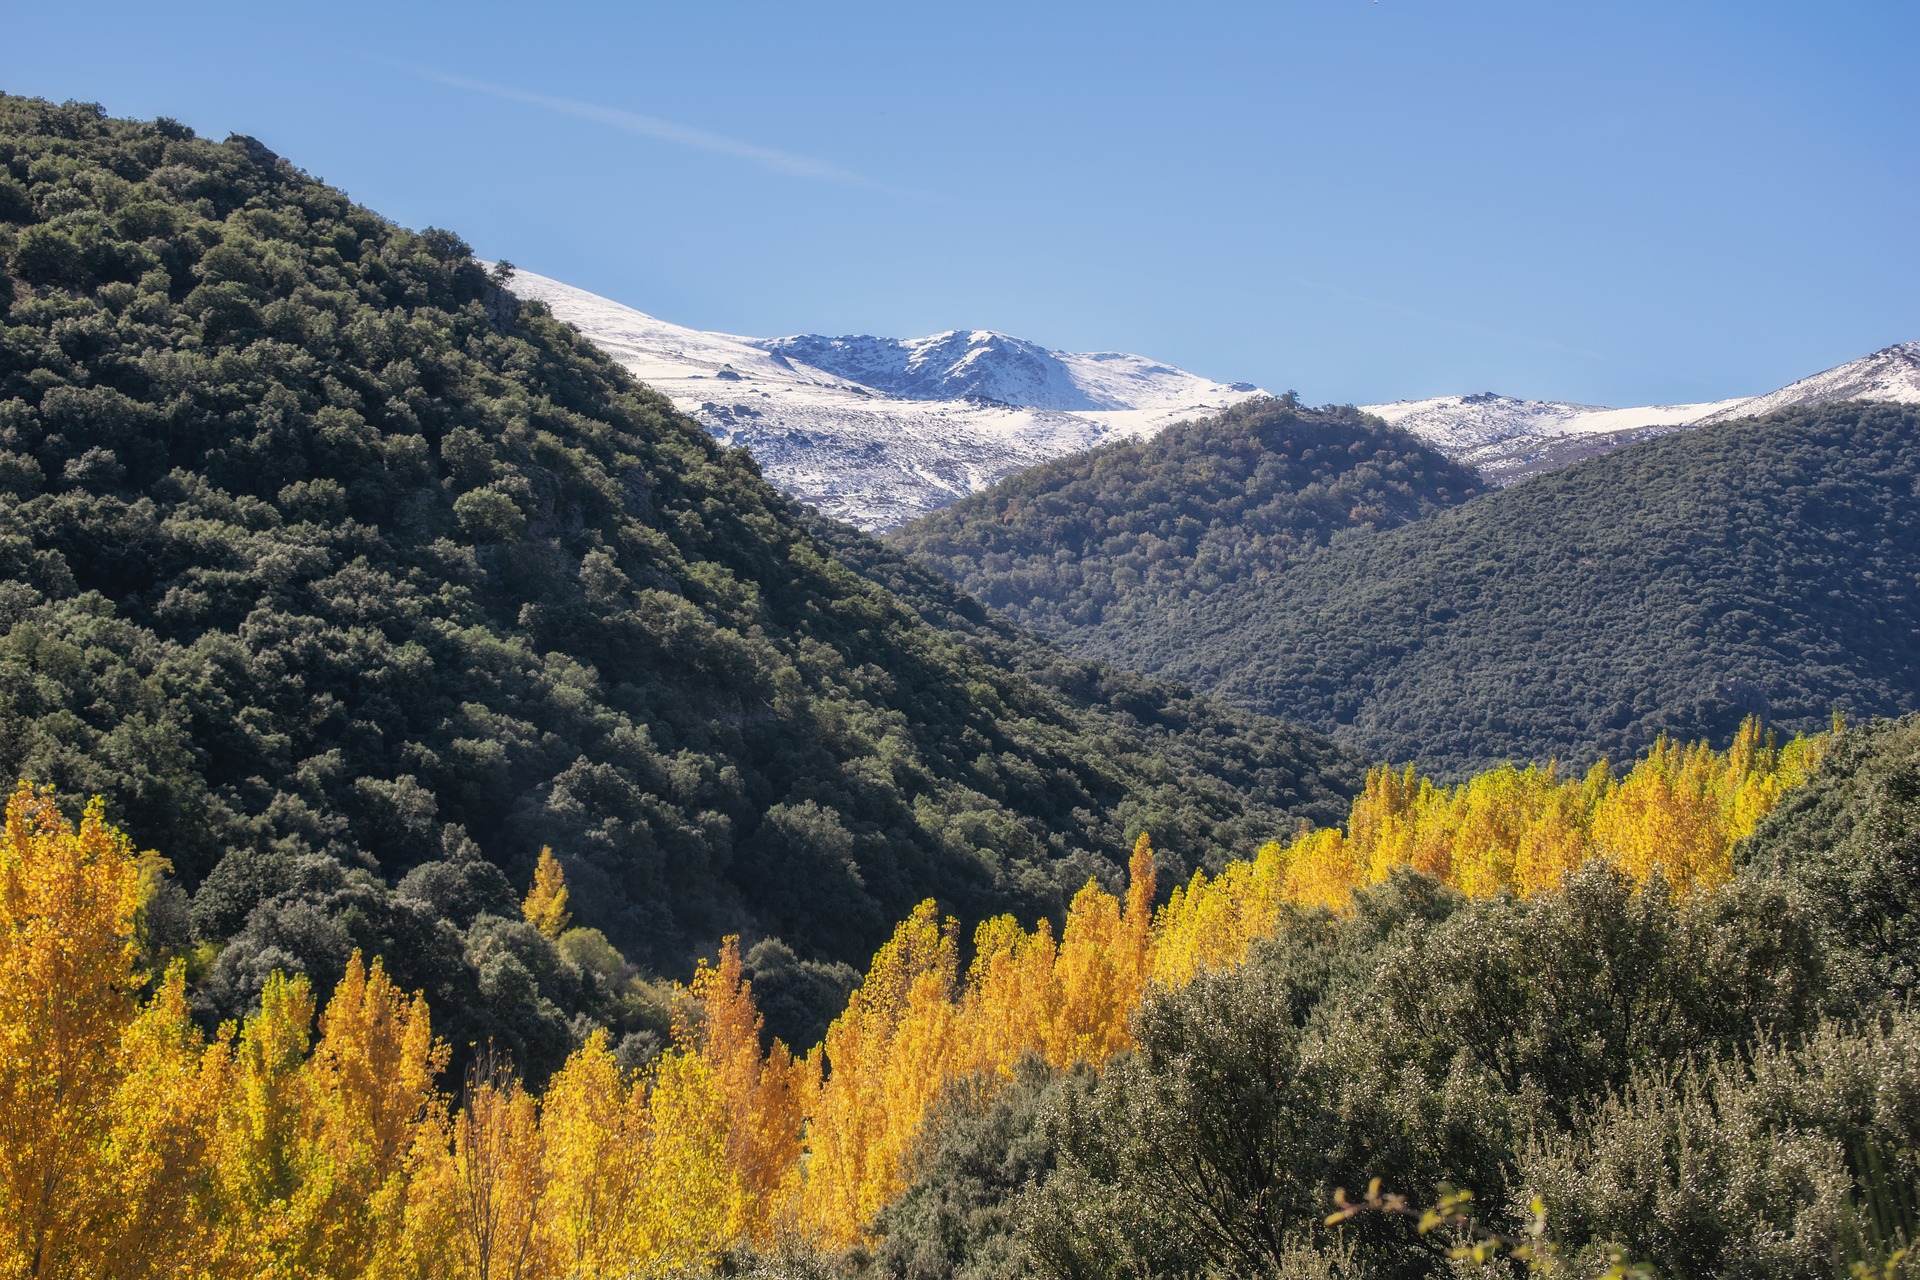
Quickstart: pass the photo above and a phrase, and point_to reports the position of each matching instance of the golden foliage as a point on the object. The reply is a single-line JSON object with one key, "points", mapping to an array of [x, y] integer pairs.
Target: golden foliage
{"points": [[493, 1179], [165, 1109], [767, 1097], [67, 902], [132, 1145], [886, 1059], [1677, 815], [545, 905], [911, 1031]]}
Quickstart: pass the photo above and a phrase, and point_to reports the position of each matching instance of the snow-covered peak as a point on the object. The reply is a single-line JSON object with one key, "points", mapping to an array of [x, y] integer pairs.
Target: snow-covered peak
{"points": [[1891, 373], [1510, 439], [877, 431], [980, 364], [959, 364]]}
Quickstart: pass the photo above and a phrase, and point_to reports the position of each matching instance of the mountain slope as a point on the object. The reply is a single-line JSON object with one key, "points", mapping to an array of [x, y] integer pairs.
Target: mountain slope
{"points": [[1509, 439], [875, 431], [350, 581], [980, 364], [1172, 734], [1765, 567], [1134, 527], [1890, 375]]}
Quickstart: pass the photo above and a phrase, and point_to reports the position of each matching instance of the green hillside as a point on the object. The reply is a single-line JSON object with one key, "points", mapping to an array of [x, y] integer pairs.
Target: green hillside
{"points": [[1722, 1085], [1124, 531], [350, 583], [1765, 567]]}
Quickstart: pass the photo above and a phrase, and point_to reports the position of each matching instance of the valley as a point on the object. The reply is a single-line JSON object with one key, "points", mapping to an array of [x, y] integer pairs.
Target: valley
{"points": [[1750, 567], [509, 788]]}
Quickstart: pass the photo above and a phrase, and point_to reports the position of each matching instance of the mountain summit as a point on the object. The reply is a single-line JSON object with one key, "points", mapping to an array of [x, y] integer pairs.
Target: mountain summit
{"points": [[1510, 439], [876, 431], [979, 364]]}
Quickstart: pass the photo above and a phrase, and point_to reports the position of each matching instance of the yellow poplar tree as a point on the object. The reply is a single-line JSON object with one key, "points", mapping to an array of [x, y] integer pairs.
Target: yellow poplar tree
{"points": [[1102, 966], [765, 1094], [371, 1098], [1011, 1000], [165, 1113], [272, 1183], [691, 1207], [67, 982], [476, 1207], [594, 1164], [885, 1056], [545, 906]]}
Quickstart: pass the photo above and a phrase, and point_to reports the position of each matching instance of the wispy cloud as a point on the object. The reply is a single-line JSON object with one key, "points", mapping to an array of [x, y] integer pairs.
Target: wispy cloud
{"points": [[654, 127]]}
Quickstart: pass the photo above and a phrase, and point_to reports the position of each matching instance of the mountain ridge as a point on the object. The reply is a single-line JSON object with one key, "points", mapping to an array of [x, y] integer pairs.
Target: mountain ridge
{"points": [[941, 417], [1509, 439], [878, 431], [1752, 567]]}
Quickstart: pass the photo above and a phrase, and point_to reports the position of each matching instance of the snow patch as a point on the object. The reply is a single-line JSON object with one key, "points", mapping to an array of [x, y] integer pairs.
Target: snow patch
{"points": [[1509, 439], [876, 431]]}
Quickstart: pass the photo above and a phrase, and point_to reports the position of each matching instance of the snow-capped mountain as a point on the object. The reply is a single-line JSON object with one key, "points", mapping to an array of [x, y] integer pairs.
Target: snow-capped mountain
{"points": [[876, 431], [1891, 373], [979, 364], [1509, 439]]}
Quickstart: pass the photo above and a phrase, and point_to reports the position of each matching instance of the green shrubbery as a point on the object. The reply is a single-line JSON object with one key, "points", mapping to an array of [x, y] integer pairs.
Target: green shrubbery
{"points": [[1727, 1087], [339, 572], [1118, 533]]}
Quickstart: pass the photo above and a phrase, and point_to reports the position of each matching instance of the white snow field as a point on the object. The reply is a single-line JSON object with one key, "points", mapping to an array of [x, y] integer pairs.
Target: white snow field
{"points": [[1510, 439], [876, 431]]}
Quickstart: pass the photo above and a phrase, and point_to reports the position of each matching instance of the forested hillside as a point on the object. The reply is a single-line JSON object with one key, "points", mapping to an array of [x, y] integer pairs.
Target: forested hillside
{"points": [[1653, 1023], [1709, 1084], [1316, 566], [1758, 567], [1128, 529], [350, 584]]}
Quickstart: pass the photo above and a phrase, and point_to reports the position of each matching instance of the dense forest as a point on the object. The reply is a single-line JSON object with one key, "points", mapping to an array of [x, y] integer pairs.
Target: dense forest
{"points": [[456, 794], [1674, 586], [1121, 532], [351, 583], [1751, 568], [1657, 1023]]}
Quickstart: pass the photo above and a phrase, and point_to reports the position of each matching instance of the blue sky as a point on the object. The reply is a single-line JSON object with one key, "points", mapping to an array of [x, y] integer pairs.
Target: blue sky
{"points": [[1617, 202]]}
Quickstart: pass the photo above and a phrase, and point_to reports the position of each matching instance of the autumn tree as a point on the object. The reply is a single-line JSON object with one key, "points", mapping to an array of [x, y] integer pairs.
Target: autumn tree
{"points": [[886, 1057], [482, 1192], [67, 982], [766, 1093], [545, 906], [594, 1163], [163, 1213]]}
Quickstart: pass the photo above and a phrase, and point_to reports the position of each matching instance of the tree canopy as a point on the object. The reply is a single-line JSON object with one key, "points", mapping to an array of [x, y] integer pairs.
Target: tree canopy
{"points": [[1676, 586], [1105, 539], [353, 583]]}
